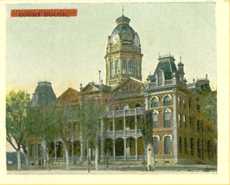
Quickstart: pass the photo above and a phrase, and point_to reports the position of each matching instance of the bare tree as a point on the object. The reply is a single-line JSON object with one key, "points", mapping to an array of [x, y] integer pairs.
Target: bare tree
{"points": [[146, 129], [90, 114], [65, 116]]}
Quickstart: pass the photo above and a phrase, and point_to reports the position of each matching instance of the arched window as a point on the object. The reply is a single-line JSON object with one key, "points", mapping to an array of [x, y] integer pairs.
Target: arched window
{"points": [[167, 145], [166, 100], [167, 118], [155, 145], [154, 102], [155, 119]]}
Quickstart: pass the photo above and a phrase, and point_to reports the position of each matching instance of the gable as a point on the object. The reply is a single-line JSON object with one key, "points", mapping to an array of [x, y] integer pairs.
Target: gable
{"points": [[69, 96], [128, 88], [90, 88]]}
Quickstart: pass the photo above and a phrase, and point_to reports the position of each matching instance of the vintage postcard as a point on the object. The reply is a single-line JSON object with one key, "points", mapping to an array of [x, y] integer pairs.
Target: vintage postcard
{"points": [[105, 88]]}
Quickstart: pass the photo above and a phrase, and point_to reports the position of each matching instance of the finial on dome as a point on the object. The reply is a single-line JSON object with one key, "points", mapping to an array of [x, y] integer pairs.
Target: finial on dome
{"points": [[122, 10], [122, 20]]}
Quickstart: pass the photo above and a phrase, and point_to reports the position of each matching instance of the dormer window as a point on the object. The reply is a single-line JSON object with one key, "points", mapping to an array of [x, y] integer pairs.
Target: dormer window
{"points": [[160, 78]]}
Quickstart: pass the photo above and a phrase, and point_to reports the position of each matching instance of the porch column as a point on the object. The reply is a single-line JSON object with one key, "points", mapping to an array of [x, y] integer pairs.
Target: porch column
{"points": [[174, 136], [114, 150], [72, 142], [102, 139], [37, 153], [124, 123], [136, 156], [125, 155], [135, 122], [72, 152], [82, 148], [55, 151], [124, 134]]}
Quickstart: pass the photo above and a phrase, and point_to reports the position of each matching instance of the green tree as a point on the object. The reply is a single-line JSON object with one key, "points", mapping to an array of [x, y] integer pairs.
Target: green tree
{"points": [[43, 127], [209, 105], [16, 122]]}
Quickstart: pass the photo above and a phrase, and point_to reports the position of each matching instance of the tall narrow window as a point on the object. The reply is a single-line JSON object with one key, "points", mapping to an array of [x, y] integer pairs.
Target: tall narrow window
{"points": [[185, 146], [155, 119], [124, 67], [198, 125], [135, 68], [116, 67], [160, 78], [166, 100], [191, 146], [209, 149], [130, 67], [180, 144], [111, 69], [155, 145], [167, 145], [198, 148], [167, 118]]}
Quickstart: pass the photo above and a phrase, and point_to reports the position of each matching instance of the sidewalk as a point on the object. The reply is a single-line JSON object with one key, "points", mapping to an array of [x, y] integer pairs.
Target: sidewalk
{"points": [[119, 169]]}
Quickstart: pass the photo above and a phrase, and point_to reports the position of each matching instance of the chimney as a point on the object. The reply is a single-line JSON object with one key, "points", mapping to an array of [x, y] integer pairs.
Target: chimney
{"points": [[100, 80]]}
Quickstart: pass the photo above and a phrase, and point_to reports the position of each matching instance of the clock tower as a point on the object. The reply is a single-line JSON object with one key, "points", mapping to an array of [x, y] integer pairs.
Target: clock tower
{"points": [[123, 53]]}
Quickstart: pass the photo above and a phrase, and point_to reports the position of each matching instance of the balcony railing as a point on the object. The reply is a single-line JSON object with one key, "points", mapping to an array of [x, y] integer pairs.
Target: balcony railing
{"points": [[122, 133], [167, 83], [128, 112]]}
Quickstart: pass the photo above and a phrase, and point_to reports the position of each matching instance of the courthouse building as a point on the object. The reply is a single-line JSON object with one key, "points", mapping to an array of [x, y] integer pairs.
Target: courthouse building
{"points": [[181, 132]]}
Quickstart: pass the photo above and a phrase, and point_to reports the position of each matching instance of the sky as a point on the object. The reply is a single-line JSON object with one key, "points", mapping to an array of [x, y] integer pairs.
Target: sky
{"points": [[68, 51]]}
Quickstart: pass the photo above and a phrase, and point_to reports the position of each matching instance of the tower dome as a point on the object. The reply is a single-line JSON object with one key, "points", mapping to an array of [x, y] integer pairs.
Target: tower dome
{"points": [[123, 53], [123, 33]]}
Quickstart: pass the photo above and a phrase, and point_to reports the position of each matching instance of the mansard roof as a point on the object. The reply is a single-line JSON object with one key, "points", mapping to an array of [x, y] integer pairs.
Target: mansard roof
{"points": [[43, 95], [168, 66]]}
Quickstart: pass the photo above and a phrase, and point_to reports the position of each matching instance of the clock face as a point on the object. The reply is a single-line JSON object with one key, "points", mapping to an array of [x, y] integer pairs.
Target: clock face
{"points": [[115, 38]]}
